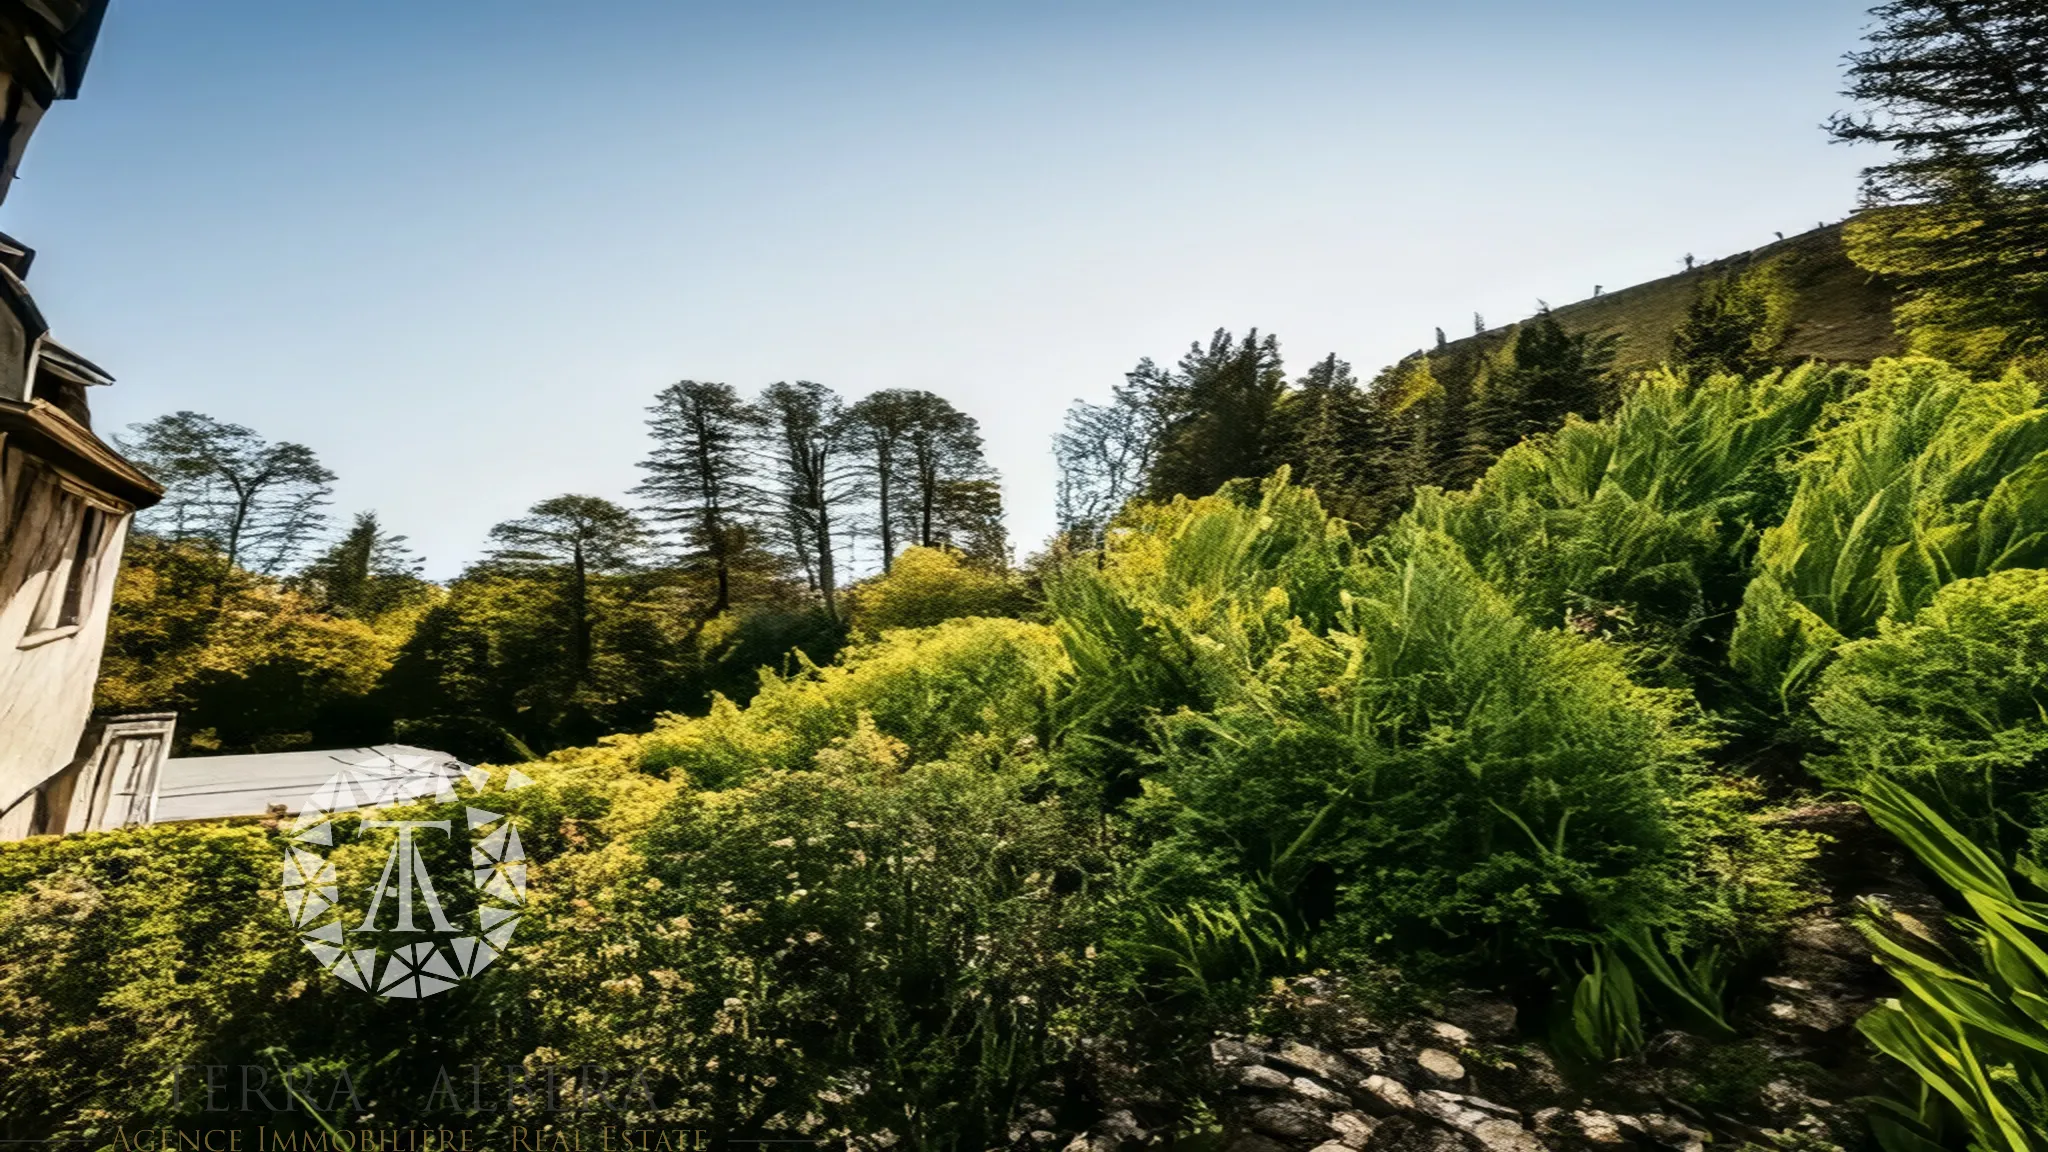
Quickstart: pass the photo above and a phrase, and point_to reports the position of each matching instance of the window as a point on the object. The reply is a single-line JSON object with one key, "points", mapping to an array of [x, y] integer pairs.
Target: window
{"points": [[81, 559], [61, 604]]}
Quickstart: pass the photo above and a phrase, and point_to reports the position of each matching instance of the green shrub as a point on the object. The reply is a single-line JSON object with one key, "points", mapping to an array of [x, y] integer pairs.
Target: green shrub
{"points": [[1924, 477], [1641, 526], [927, 586], [1436, 778], [1953, 703], [872, 944], [987, 681]]}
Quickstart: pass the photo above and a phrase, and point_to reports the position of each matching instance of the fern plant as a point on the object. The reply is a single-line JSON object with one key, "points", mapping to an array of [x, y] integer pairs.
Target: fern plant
{"points": [[1924, 477]]}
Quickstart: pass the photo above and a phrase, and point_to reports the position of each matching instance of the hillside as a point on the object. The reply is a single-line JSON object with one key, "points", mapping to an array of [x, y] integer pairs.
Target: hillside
{"points": [[1839, 313]]}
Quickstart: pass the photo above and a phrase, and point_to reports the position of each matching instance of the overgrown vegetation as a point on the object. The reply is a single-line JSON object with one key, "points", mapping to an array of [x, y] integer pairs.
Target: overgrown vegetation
{"points": [[1488, 744]]}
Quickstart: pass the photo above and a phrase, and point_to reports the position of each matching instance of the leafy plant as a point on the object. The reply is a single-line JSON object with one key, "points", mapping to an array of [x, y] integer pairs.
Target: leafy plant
{"points": [[1972, 1028], [1923, 477]]}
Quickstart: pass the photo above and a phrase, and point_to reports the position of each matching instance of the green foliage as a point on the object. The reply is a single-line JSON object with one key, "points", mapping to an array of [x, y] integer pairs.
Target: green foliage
{"points": [[1953, 703], [249, 664], [1543, 376], [1642, 525], [1734, 326], [942, 691], [1923, 477], [1605, 1017], [1472, 791], [1972, 1028], [925, 586]]}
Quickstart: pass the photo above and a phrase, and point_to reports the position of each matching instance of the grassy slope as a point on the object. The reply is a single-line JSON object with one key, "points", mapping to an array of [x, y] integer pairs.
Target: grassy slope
{"points": [[1840, 313]]}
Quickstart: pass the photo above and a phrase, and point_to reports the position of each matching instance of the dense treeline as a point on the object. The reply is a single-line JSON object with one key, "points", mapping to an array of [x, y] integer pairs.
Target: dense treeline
{"points": [[584, 617]]}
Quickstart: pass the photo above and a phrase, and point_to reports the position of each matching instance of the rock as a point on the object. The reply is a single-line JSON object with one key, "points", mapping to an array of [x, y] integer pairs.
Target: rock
{"points": [[1827, 935], [1504, 1136], [1314, 1061], [1041, 1138], [1229, 1052], [1417, 1138], [1121, 1125], [1450, 1033], [1440, 1064], [1486, 1017], [1599, 1129], [1260, 1078], [1093, 1142], [1354, 1129], [1672, 1048], [1465, 1113], [1315, 1093], [1551, 1120], [1370, 1059], [1672, 1134], [1383, 1097], [1253, 1142], [1332, 1146], [1292, 1121]]}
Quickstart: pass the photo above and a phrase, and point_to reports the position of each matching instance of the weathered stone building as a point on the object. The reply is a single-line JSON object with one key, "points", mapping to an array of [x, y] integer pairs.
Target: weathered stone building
{"points": [[66, 500]]}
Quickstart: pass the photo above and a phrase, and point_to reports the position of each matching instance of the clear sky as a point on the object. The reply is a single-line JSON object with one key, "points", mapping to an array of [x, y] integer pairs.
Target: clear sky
{"points": [[456, 246]]}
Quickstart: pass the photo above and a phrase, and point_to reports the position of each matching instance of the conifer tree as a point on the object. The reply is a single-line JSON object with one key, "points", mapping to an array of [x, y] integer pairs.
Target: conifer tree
{"points": [[1326, 432], [367, 572], [1958, 89], [698, 484], [1732, 326], [1219, 412]]}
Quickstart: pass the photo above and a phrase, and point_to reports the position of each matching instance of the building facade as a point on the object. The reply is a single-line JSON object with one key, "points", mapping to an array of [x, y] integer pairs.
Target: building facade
{"points": [[66, 500]]}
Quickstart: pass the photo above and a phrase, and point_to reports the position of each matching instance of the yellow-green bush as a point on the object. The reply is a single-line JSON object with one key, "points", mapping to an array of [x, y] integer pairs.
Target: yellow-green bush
{"points": [[927, 586], [987, 681]]}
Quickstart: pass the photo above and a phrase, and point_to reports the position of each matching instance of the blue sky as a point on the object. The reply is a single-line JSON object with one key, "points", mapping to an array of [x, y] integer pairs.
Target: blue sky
{"points": [[457, 246]]}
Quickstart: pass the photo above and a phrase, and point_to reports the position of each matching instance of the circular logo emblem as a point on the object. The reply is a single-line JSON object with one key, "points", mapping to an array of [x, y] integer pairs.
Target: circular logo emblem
{"points": [[416, 930]]}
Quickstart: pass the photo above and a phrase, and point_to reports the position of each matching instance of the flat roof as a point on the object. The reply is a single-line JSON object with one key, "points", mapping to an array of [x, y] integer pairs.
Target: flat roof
{"points": [[222, 787]]}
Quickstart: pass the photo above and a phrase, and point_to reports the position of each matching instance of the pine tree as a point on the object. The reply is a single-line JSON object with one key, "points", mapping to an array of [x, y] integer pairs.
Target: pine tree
{"points": [[1326, 433], [698, 484], [1732, 326], [1959, 90], [1220, 412], [364, 574]]}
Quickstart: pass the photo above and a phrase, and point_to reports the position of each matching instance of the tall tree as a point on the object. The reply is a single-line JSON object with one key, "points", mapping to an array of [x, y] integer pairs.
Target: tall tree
{"points": [[698, 482], [1219, 410], [1325, 433], [1104, 453], [814, 479], [1547, 374], [877, 430], [260, 504], [949, 489], [1952, 83], [580, 537], [365, 573], [1958, 90]]}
